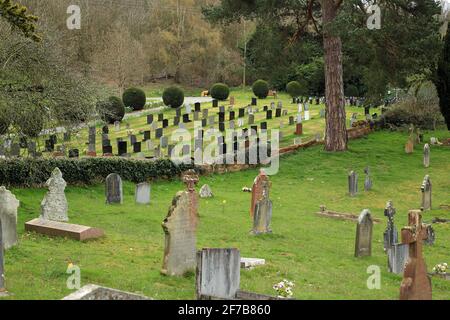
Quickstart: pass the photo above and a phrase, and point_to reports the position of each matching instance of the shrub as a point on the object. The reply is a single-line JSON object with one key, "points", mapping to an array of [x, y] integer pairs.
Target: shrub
{"points": [[173, 97], [134, 98], [31, 124], [220, 91], [351, 91], [261, 89], [29, 172], [422, 115], [111, 110], [296, 89]]}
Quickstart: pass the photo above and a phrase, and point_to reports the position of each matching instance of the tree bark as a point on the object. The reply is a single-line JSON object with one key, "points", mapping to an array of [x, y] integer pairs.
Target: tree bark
{"points": [[336, 132]]}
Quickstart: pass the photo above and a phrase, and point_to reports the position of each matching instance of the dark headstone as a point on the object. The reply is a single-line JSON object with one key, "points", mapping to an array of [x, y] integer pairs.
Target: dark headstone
{"points": [[161, 117], [147, 135], [150, 119], [363, 245], [74, 153], [165, 123], [122, 148], [197, 107], [137, 147], [113, 189], [159, 133], [269, 114], [232, 115], [186, 118]]}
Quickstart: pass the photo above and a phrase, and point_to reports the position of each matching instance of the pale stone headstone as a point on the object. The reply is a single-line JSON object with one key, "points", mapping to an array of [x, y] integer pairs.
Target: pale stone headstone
{"points": [[263, 211], [142, 194], [180, 227], [353, 183], [307, 115], [426, 189], [218, 273], [8, 216], [54, 206], [250, 263], [206, 192], [368, 181], [398, 255], [257, 190], [426, 155], [363, 244], [113, 189], [391, 234], [416, 284]]}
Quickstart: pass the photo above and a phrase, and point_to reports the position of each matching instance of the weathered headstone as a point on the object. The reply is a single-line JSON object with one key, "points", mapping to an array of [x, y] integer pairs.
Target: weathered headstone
{"points": [[426, 155], [113, 189], [142, 193], [390, 234], [206, 192], [218, 273], [263, 211], [8, 216], [398, 255], [54, 206], [257, 190], [363, 244], [368, 180], [2, 266], [416, 284], [409, 147], [353, 183], [426, 189], [180, 227]]}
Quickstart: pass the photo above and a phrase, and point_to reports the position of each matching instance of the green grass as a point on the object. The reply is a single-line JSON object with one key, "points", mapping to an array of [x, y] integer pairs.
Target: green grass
{"points": [[315, 252]]}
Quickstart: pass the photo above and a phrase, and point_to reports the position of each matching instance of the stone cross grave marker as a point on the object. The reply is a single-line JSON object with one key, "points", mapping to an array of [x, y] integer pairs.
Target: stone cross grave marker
{"points": [[54, 206], [426, 155], [426, 189], [363, 244], [142, 193], [218, 273], [180, 228], [416, 284], [353, 183], [113, 189], [8, 216], [390, 234]]}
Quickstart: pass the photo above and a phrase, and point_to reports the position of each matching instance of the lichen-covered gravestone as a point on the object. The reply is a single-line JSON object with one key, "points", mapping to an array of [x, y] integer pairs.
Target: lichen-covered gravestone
{"points": [[368, 181], [54, 206], [180, 228], [263, 211], [426, 155], [426, 189], [8, 216], [416, 284], [142, 194], [206, 192], [353, 183], [257, 190], [398, 255], [113, 190], [363, 245]]}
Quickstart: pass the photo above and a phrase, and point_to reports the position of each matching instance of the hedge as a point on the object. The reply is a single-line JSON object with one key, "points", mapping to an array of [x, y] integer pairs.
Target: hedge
{"points": [[29, 172]]}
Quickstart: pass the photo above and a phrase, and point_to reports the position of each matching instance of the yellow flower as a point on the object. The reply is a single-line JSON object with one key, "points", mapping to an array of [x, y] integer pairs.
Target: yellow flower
{"points": [[70, 266]]}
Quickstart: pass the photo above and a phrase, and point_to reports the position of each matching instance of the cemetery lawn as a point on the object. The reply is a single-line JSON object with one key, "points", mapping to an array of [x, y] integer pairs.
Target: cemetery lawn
{"points": [[315, 252]]}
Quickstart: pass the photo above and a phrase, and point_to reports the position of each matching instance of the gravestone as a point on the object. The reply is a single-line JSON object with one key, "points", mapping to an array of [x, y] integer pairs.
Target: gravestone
{"points": [[426, 189], [205, 113], [211, 120], [74, 153], [107, 150], [165, 123], [241, 113], [122, 148], [133, 139], [263, 126], [263, 211], [307, 115], [398, 255], [137, 147], [142, 193], [113, 189], [363, 244], [8, 217], [150, 119], [269, 114], [299, 129], [206, 192], [368, 180], [254, 101], [257, 190], [426, 155], [147, 135], [278, 113], [232, 100], [105, 129], [215, 103], [221, 126], [32, 148], [2, 265], [164, 142], [221, 116], [291, 120], [54, 206], [197, 107], [251, 119], [232, 125], [160, 117], [196, 116], [409, 147], [416, 284], [222, 109], [117, 126], [159, 133], [180, 227], [232, 115], [390, 234], [353, 183], [218, 273]]}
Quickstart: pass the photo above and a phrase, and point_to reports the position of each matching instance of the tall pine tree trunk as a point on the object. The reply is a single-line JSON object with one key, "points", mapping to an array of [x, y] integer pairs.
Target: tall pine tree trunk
{"points": [[336, 131]]}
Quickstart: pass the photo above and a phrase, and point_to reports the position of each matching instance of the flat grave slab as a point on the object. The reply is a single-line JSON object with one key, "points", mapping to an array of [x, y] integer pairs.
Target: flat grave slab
{"points": [[250, 263], [62, 229], [94, 292], [342, 216]]}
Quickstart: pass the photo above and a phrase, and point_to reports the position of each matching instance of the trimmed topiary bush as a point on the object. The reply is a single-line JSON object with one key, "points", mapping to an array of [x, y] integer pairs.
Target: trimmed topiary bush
{"points": [[261, 89], [134, 98], [220, 91], [111, 110], [295, 89], [173, 97]]}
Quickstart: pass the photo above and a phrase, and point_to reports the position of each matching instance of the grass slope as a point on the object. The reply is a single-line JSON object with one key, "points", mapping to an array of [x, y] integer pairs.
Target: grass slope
{"points": [[315, 252]]}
